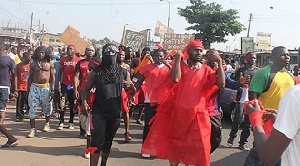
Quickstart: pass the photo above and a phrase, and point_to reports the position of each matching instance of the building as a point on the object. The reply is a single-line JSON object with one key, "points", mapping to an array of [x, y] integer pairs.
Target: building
{"points": [[10, 37], [49, 39]]}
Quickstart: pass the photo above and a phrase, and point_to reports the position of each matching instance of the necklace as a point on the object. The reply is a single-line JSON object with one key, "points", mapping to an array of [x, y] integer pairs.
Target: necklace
{"points": [[41, 67]]}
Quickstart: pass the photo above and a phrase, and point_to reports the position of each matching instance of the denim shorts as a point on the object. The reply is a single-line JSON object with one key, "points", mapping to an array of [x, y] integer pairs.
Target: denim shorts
{"points": [[39, 97], [4, 94]]}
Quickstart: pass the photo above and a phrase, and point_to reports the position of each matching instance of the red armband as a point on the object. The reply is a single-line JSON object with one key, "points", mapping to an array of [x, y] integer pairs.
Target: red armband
{"points": [[255, 118], [90, 150]]}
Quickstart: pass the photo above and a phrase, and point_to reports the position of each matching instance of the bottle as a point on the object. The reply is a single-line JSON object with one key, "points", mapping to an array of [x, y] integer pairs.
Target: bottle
{"points": [[244, 94]]}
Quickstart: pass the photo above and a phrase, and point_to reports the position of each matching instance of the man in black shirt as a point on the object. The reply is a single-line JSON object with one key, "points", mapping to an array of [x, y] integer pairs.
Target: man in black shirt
{"points": [[248, 71], [108, 78]]}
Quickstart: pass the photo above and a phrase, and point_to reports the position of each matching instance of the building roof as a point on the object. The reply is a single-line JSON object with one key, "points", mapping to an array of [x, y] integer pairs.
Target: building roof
{"points": [[11, 34]]}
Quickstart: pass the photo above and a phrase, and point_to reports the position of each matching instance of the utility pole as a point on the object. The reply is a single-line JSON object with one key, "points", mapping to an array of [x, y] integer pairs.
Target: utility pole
{"points": [[31, 31], [250, 19]]}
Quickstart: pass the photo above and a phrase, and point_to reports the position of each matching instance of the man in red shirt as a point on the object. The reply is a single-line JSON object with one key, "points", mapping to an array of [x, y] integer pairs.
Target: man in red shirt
{"points": [[21, 77], [82, 71], [65, 85], [154, 75]]}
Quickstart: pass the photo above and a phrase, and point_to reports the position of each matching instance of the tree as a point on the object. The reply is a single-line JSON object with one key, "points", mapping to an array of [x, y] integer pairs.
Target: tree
{"points": [[210, 21], [100, 42]]}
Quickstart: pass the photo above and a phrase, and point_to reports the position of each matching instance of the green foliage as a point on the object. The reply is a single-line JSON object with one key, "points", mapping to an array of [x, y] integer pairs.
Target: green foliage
{"points": [[101, 42], [210, 21]]}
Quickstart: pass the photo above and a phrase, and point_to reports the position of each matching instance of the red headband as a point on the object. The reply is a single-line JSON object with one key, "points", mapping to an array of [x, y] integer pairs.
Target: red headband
{"points": [[193, 43], [72, 46], [248, 55]]}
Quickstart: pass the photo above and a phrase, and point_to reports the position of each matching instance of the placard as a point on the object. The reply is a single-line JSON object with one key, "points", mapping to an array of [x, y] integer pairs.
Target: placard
{"points": [[176, 41]]}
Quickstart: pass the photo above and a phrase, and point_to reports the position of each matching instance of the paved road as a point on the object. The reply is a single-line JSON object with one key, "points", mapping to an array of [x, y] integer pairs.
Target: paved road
{"points": [[65, 148]]}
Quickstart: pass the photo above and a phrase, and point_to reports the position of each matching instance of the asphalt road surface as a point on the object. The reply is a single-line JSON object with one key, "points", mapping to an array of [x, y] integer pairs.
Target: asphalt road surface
{"points": [[65, 148]]}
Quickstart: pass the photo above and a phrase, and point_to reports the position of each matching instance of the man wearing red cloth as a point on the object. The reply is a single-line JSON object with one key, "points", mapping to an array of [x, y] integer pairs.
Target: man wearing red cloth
{"points": [[154, 75], [181, 128]]}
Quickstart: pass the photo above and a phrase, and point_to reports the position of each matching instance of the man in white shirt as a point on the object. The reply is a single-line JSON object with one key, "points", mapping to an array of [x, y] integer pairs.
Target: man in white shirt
{"points": [[284, 141]]}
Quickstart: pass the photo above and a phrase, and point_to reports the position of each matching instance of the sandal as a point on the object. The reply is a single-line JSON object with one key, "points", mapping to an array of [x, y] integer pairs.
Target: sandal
{"points": [[139, 122], [10, 145]]}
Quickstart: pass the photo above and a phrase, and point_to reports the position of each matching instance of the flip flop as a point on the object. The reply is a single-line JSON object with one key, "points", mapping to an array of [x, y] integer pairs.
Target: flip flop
{"points": [[10, 145]]}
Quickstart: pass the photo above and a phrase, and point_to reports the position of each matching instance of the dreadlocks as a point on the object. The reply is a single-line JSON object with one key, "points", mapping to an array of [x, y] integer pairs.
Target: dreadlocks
{"points": [[41, 49]]}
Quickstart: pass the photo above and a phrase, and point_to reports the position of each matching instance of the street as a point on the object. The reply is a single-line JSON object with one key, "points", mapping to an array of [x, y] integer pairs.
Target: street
{"points": [[65, 148]]}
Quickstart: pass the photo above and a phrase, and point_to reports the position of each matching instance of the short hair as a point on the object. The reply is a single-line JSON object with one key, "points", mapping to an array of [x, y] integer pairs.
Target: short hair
{"points": [[146, 49], [26, 54], [159, 50], [3, 46], [276, 50]]}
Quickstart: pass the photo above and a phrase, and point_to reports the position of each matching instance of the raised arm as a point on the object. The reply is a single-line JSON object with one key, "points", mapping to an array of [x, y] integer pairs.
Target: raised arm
{"points": [[176, 70]]}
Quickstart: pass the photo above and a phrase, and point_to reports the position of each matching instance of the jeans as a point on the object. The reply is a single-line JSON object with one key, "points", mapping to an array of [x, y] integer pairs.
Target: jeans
{"points": [[254, 160], [69, 94], [237, 120]]}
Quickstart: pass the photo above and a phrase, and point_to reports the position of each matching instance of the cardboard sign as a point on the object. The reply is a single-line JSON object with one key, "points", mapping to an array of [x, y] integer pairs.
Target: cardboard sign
{"points": [[176, 41], [133, 39], [71, 36], [161, 29]]}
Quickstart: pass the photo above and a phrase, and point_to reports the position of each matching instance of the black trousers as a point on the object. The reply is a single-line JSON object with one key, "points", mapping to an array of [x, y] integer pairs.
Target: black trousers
{"points": [[69, 94], [21, 100], [149, 113], [216, 132], [103, 133]]}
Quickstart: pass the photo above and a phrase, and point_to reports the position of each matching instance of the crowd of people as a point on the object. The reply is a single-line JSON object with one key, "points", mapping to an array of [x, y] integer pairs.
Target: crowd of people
{"points": [[177, 93]]}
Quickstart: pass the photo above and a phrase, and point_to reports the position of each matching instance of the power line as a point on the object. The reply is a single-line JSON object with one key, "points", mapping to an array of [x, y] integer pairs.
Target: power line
{"points": [[99, 4]]}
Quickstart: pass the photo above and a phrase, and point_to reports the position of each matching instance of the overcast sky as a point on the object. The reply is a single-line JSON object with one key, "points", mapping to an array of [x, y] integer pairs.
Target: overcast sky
{"points": [[106, 18]]}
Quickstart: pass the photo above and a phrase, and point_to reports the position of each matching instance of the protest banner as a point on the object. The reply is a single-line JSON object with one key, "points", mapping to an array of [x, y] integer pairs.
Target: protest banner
{"points": [[176, 41], [133, 39], [161, 29]]}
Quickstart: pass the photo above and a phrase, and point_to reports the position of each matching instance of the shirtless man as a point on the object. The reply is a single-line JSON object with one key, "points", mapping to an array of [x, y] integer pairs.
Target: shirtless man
{"points": [[125, 98], [41, 83]]}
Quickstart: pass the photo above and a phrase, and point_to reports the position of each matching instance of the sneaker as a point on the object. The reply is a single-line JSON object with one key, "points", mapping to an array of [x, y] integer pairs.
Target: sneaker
{"points": [[146, 155], [32, 133], [244, 148], [46, 127], [87, 155], [230, 142], [60, 126], [127, 137], [19, 119], [71, 126]]}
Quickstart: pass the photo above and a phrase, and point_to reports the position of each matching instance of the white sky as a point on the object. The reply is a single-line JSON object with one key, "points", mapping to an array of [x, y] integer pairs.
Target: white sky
{"points": [[106, 18]]}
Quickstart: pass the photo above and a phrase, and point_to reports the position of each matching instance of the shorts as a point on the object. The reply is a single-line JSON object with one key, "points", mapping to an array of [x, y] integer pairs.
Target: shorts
{"points": [[124, 102], [4, 94], [85, 123], [139, 97], [39, 97]]}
